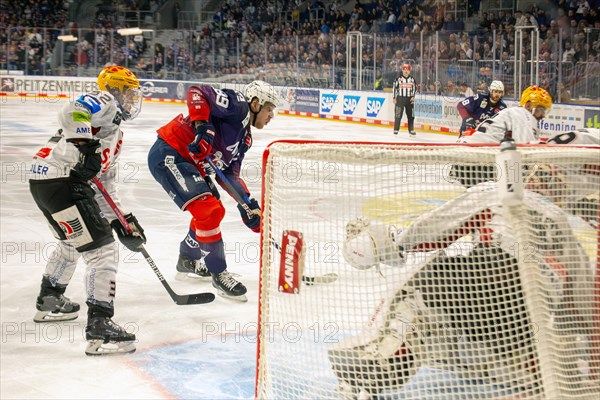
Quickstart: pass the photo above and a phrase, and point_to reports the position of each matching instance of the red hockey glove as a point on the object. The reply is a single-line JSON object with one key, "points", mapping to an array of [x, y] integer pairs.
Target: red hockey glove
{"points": [[202, 144]]}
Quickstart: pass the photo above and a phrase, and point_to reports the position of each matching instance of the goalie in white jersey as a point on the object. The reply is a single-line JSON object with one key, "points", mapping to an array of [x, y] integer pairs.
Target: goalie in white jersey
{"points": [[87, 145], [459, 304]]}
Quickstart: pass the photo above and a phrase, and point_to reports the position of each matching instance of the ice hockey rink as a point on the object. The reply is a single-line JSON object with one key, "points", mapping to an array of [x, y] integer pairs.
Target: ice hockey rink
{"points": [[183, 352]]}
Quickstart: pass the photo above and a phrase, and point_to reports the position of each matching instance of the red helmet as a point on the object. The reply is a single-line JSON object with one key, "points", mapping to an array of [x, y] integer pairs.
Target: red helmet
{"points": [[406, 66]]}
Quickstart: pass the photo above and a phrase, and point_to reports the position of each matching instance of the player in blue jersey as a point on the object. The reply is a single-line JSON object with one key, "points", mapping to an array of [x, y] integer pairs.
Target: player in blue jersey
{"points": [[218, 125], [478, 108]]}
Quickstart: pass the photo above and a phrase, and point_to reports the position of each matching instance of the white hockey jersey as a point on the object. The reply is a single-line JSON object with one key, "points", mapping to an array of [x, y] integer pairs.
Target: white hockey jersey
{"points": [[93, 115], [584, 136], [516, 120]]}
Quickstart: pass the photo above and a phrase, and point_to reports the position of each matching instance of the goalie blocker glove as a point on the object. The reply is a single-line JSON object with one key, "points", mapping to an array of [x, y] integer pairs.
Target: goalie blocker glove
{"points": [[251, 220], [132, 240]]}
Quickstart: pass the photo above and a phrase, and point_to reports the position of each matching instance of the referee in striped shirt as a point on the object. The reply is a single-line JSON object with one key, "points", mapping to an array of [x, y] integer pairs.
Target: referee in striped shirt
{"points": [[405, 87]]}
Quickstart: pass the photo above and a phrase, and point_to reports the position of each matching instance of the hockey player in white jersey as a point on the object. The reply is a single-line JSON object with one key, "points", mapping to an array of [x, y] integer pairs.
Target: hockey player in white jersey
{"points": [[520, 123], [467, 284], [87, 145], [581, 137]]}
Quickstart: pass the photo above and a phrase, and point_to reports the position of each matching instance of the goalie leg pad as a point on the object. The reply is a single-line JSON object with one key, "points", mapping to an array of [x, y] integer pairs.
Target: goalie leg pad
{"points": [[360, 370]]}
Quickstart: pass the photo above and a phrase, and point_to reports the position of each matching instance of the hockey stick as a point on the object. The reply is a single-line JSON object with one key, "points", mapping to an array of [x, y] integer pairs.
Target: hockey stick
{"points": [[244, 201], [329, 277], [197, 298]]}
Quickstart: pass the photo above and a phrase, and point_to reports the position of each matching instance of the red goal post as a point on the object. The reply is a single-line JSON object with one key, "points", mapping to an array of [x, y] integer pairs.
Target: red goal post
{"points": [[398, 271]]}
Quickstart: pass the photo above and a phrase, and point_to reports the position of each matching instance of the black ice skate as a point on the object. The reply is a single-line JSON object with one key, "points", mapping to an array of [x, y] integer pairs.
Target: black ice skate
{"points": [[191, 269], [55, 307], [227, 286], [106, 337]]}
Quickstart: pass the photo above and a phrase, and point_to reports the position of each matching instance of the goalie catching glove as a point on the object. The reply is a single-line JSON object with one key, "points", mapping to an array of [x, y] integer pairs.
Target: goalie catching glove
{"points": [[366, 244], [252, 218], [132, 240], [202, 145]]}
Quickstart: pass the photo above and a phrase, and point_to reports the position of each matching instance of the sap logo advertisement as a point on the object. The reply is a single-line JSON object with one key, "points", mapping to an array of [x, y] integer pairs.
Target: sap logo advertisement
{"points": [[350, 103], [374, 105], [327, 102]]}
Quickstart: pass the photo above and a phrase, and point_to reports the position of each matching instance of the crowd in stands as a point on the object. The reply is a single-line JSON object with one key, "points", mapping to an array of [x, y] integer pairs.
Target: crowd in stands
{"points": [[19, 45], [273, 39]]}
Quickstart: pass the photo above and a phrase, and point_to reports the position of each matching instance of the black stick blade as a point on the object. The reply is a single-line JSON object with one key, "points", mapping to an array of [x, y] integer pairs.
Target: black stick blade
{"points": [[319, 279], [198, 298]]}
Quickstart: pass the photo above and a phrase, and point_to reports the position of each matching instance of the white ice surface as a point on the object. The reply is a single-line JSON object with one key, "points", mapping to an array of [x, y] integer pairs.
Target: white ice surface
{"points": [[185, 352]]}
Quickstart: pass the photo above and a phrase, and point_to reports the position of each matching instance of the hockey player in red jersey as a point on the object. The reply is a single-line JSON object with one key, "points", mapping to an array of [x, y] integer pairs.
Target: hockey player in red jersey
{"points": [[218, 125], [86, 146]]}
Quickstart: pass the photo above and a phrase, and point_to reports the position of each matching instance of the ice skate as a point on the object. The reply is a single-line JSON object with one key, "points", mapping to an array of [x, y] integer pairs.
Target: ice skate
{"points": [[412, 133], [228, 287], [106, 338], [55, 307], [188, 269]]}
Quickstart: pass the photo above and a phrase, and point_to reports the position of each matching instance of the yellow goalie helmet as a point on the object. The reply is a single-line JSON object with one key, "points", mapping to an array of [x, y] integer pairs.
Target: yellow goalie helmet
{"points": [[125, 87], [538, 97]]}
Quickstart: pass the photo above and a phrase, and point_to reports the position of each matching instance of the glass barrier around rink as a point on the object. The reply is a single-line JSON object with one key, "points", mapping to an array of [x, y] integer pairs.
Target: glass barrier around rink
{"points": [[441, 61]]}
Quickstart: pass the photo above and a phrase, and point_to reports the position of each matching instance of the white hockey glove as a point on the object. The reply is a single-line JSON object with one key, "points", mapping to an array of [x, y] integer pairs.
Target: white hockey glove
{"points": [[366, 244]]}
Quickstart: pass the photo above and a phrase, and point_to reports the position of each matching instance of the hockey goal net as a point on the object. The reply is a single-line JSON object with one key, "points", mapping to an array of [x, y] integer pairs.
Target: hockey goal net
{"points": [[401, 272]]}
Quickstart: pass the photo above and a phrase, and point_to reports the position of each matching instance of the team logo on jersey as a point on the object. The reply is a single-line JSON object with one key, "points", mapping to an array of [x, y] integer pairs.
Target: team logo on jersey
{"points": [[70, 227], [374, 105], [327, 102], [350, 103], [483, 103]]}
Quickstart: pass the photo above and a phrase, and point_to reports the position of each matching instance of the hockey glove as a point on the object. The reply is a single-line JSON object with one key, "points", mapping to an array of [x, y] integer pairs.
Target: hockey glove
{"points": [[89, 163], [468, 123], [252, 221], [132, 240], [202, 144]]}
